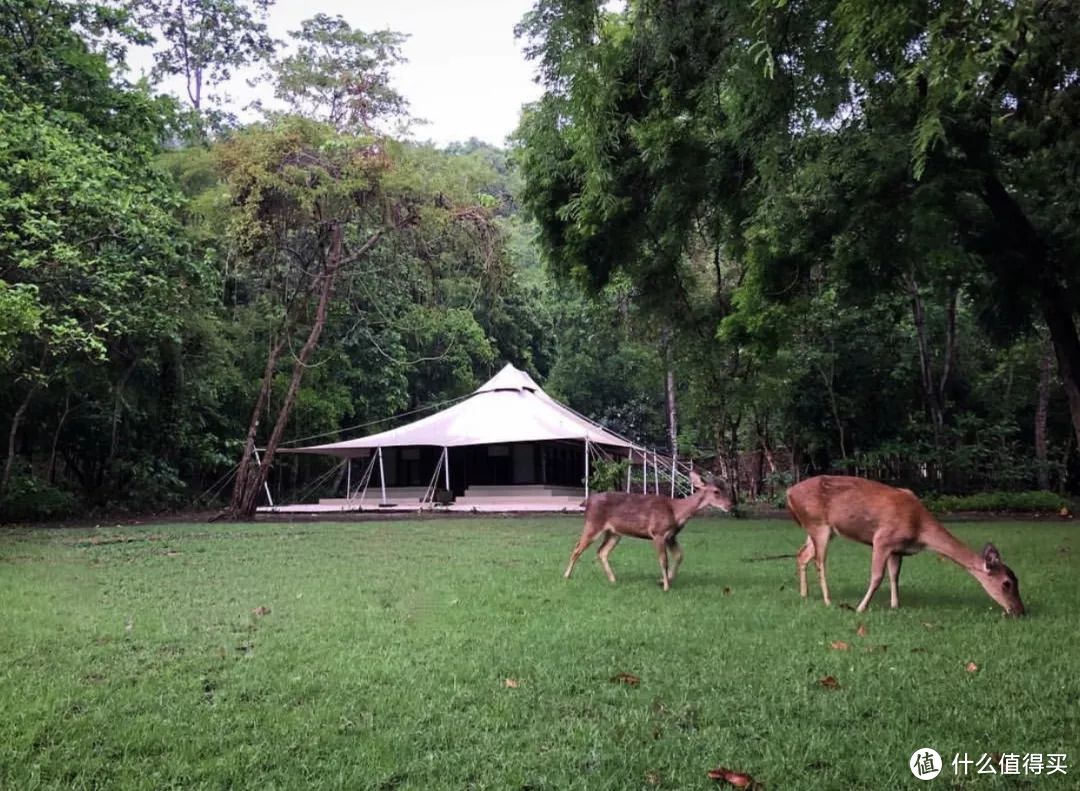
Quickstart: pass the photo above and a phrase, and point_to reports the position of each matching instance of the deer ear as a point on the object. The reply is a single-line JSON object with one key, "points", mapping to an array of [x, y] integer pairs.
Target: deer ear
{"points": [[695, 479], [991, 558]]}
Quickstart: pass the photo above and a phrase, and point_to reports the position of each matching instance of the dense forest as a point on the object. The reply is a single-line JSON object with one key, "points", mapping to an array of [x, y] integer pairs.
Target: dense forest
{"points": [[783, 237]]}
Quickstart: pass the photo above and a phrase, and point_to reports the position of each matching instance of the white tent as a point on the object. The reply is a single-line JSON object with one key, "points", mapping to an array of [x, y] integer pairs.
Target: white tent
{"points": [[510, 408]]}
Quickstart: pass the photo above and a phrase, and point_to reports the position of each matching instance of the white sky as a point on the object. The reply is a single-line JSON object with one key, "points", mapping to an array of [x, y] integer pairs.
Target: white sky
{"points": [[465, 73]]}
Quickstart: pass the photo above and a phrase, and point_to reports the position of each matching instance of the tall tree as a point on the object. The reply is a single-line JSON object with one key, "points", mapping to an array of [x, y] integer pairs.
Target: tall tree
{"points": [[203, 41], [92, 259], [340, 75], [811, 141], [312, 210]]}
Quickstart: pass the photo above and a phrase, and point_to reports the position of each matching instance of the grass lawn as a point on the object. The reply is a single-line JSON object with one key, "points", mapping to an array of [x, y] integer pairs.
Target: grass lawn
{"points": [[452, 654]]}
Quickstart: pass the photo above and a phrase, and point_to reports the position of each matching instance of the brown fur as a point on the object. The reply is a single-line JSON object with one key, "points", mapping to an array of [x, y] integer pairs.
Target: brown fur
{"points": [[649, 516], [894, 523]]}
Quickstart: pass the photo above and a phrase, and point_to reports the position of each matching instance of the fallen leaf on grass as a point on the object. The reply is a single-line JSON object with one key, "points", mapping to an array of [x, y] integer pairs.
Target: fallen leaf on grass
{"points": [[870, 649], [626, 678], [840, 645], [829, 683], [861, 631], [510, 683], [737, 779], [652, 778], [1063, 550], [930, 625], [971, 667], [172, 553], [918, 650], [259, 611], [727, 591]]}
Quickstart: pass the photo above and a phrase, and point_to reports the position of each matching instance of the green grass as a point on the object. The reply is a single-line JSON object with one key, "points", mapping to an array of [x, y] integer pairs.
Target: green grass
{"points": [[383, 661]]}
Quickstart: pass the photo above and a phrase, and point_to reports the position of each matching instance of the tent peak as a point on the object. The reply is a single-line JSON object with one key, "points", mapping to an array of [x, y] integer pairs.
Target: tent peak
{"points": [[509, 378]]}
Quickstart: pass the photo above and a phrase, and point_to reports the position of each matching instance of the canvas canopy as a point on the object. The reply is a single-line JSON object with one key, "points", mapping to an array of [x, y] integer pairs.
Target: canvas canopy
{"points": [[510, 407]]}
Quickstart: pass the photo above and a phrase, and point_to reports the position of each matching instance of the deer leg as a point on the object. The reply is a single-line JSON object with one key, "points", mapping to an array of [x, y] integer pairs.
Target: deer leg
{"points": [[676, 557], [821, 549], [804, 557], [894, 579], [587, 537], [661, 550], [608, 544], [878, 562]]}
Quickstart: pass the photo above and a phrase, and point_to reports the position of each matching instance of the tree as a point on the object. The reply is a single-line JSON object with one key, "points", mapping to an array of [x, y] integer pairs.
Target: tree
{"points": [[811, 143], [312, 209], [340, 75], [93, 267], [204, 40]]}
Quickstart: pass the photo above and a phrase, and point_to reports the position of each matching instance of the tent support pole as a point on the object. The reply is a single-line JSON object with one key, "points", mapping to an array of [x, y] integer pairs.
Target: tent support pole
{"points": [[365, 479], [446, 467], [382, 478], [348, 479], [586, 467], [629, 467], [645, 472], [673, 476], [266, 484], [656, 472]]}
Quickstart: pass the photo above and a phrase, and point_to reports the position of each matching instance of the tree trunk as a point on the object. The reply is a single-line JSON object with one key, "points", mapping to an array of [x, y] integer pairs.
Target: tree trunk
{"points": [[118, 402], [670, 400], [1042, 465], [828, 378], [672, 413], [1053, 299], [934, 392], [328, 278], [13, 434], [244, 502], [56, 437], [245, 474]]}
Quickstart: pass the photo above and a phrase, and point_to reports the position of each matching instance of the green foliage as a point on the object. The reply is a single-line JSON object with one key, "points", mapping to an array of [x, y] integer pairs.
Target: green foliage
{"points": [[20, 315], [836, 208], [31, 499], [608, 475], [340, 75], [86, 229], [204, 40], [999, 502]]}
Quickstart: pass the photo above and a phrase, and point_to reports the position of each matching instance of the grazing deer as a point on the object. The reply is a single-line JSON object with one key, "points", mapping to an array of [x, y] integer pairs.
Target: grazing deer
{"points": [[651, 516], [894, 523]]}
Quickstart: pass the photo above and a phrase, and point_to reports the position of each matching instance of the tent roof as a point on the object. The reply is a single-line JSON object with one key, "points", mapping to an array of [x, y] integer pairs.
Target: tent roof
{"points": [[510, 407]]}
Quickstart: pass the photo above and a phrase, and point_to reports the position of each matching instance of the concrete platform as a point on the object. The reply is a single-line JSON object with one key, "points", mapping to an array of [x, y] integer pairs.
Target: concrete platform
{"points": [[501, 506]]}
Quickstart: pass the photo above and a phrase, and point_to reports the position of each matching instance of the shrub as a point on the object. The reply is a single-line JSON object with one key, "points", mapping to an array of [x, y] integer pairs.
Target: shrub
{"points": [[31, 499], [608, 476], [1028, 502]]}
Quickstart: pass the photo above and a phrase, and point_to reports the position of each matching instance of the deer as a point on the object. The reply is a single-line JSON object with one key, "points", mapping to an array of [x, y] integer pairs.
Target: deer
{"points": [[650, 516], [895, 524]]}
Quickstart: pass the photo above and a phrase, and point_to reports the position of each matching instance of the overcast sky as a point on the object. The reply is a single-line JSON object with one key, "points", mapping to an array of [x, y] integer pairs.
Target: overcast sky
{"points": [[465, 74]]}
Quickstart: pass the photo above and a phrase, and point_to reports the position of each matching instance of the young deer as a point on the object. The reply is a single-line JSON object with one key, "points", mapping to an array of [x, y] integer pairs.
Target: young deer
{"points": [[651, 516], [894, 523]]}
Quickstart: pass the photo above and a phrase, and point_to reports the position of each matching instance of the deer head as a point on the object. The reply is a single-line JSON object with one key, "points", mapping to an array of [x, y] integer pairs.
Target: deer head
{"points": [[714, 495], [999, 581]]}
